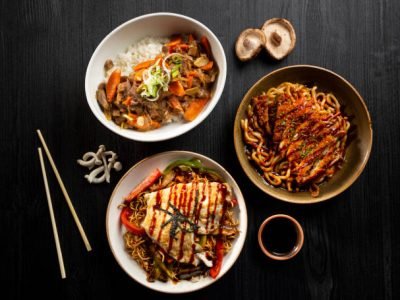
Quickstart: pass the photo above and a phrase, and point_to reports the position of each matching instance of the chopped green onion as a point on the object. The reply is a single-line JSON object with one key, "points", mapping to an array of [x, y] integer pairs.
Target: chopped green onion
{"points": [[175, 73], [156, 79]]}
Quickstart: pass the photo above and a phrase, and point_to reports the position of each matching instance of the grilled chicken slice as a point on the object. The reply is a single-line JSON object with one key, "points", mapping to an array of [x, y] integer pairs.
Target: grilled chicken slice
{"points": [[175, 214], [306, 136]]}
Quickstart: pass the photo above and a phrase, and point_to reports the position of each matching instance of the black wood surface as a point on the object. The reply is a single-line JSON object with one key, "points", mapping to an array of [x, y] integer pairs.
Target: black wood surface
{"points": [[352, 244]]}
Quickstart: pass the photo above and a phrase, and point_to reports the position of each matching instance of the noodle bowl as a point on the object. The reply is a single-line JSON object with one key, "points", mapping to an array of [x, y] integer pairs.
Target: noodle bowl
{"points": [[180, 223], [296, 136]]}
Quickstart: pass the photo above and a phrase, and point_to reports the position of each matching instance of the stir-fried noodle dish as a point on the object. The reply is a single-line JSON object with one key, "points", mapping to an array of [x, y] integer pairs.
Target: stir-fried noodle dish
{"points": [[180, 223], [296, 136]]}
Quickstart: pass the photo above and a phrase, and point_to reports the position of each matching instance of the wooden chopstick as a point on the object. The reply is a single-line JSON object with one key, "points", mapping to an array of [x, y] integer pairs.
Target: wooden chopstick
{"points": [[53, 220], [66, 196]]}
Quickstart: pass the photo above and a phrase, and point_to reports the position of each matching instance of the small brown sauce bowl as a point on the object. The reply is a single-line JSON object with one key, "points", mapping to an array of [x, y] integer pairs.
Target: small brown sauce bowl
{"points": [[297, 244]]}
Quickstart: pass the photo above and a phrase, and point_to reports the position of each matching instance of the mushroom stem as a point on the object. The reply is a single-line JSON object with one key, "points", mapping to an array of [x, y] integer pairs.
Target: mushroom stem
{"points": [[276, 38], [280, 37]]}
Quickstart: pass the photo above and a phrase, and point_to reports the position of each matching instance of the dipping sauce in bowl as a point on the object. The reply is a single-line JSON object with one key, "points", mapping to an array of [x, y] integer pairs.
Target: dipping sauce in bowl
{"points": [[280, 237]]}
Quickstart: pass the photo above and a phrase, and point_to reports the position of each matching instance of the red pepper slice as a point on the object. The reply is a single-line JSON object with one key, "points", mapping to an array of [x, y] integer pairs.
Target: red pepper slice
{"points": [[219, 249], [144, 185], [125, 214], [234, 202]]}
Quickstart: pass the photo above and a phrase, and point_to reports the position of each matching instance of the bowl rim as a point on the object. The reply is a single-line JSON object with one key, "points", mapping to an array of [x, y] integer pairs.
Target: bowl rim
{"points": [[243, 213], [299, 239], [200, 118], [264, 186]]}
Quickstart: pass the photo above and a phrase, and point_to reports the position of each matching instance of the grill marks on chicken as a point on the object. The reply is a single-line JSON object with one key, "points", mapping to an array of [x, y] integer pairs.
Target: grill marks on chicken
{"points": [[176, 214], [301, 132]]}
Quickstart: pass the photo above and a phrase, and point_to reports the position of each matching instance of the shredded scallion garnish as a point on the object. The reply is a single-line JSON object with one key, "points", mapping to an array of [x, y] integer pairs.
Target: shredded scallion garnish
{"points": [[155, 79]]}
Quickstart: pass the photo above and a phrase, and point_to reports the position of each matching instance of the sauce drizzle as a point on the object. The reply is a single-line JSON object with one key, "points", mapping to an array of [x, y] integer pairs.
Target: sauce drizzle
{"points": [[172, 193], [203, 198], [153, 219], [182, 209]]}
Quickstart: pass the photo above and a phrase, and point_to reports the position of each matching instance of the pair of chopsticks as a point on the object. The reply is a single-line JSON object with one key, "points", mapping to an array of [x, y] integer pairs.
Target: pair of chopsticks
{"points": [[67, 198]]}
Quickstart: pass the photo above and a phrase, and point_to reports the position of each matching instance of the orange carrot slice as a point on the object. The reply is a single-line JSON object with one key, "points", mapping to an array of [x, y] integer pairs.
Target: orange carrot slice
{"points": [[155, 124], [144, 65], [138, 75], [183, 46], [194, 109], [193, 74], [176, 88], [174, 41], [112, 84], [189, 81], [133, 120], [127, 101], [208, 66]]}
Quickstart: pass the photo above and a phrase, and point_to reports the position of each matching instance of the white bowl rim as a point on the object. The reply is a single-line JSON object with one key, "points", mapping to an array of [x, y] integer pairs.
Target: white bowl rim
{"points": [[243, 219], [140, 136]]}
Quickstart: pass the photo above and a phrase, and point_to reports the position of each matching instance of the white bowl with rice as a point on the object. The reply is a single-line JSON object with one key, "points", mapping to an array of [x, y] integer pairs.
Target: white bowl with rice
{"points": [[141, 39]]}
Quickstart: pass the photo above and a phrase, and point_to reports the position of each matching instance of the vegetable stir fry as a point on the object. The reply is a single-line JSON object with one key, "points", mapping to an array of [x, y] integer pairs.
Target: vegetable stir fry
{"points": [[174, 85]]}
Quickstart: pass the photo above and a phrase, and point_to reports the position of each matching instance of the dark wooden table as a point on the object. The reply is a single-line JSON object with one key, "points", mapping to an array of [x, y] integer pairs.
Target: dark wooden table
{"points": [[352, 244]]}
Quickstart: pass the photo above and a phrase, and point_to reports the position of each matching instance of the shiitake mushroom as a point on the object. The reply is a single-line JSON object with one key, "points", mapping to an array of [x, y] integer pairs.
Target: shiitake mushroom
{"points": [[280, 37], [277, 36], [249, 44]]}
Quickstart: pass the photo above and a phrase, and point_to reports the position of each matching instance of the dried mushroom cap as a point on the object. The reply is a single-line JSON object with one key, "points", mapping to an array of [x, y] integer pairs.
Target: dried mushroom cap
{"points": [[280, 37], [249, 43]]}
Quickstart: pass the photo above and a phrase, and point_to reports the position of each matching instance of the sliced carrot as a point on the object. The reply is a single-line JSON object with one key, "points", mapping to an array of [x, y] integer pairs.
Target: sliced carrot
{"points": [[133, 120], [112, 84], [208, 66], [194, 109], [144, 65], [159, 58], [189, 81], [193, 73], [176, 88], [155, 124], [183, 46], [206, 45], [174, 41], [127, 101], [138, 75]]}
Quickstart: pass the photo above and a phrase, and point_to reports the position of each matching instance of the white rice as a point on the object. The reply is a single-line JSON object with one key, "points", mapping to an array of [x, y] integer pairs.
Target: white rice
{"points": [[143, 50]]}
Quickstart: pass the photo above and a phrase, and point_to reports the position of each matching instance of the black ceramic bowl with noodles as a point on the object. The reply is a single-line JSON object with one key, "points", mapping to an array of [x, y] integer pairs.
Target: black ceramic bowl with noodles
{"points": [[352, 105]]}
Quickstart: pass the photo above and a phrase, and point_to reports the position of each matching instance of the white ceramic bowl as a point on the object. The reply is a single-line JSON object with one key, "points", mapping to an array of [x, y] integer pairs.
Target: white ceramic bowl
{"points": [[156, 25], [115, 229]]}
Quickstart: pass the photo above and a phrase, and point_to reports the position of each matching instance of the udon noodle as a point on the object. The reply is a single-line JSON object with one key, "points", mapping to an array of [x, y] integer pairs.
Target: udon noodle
{"points": [[296, 136]]}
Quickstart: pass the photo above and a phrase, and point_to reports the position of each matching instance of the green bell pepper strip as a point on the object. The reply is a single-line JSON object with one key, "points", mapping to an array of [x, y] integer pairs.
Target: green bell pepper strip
{"points": [[194, 164], [163, 267]]}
